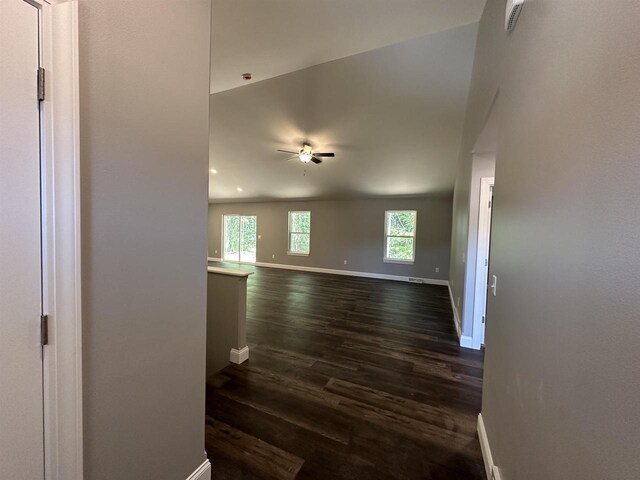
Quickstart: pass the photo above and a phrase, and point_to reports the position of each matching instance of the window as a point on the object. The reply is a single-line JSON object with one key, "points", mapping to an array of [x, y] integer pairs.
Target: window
{"points": [[299, 233], [400, 236]]}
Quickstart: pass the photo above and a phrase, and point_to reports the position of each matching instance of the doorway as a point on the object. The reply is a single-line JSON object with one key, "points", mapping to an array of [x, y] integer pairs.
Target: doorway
{"points": [[482, 259], [239, 238]]}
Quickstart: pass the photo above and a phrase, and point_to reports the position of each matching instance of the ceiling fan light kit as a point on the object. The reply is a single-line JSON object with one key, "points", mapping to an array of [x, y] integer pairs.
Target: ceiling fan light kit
{"points": [[305, 154]]}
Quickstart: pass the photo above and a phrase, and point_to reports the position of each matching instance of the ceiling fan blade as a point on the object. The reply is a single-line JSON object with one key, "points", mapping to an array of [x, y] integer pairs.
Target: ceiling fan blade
{"points": [[316, 160], [331, 154], [286, 151]]}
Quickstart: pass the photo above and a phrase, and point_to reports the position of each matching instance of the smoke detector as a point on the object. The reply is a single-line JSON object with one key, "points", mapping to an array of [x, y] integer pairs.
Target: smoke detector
{"points": [[514, 7]]}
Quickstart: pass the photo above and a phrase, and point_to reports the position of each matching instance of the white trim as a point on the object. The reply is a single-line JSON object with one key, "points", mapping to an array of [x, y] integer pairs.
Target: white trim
{"points": [[349, 273], [239, 356], [387, 235], [289, 232], [203, 472], [62, 358], [456, 317], [214, 259], [467, 341], [402, 262], [237, 262], [493, 472], [482, 249]]}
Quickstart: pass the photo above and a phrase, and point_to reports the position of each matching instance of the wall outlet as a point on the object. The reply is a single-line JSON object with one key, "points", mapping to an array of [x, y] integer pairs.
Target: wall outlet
{"points": [[494, 284], [437, 269], [273, 255], [345, 262], [216, 251], [259, 237]]}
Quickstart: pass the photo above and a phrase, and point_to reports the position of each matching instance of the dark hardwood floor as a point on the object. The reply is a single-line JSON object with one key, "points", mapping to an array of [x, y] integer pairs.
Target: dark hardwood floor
{"points": [[348, 378]]}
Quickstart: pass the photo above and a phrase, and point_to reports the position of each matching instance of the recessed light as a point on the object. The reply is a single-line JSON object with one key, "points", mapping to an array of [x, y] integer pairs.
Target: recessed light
{"points": [[239, 189], [214, 171]]}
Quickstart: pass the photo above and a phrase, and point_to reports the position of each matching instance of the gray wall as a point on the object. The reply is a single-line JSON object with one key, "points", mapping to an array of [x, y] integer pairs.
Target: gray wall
{"points": [[484, 86], [226, 317], [347, 229], [561, 383], [144, 79]]}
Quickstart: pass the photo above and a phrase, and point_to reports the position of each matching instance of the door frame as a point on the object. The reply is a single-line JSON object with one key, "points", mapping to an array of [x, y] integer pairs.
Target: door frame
{"points": [[482, 245], [61, 236], [240, 233]]}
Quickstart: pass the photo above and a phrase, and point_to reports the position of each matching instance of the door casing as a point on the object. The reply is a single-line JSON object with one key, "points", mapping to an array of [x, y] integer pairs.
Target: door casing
{"points": [[61, 261], [482, 256]]}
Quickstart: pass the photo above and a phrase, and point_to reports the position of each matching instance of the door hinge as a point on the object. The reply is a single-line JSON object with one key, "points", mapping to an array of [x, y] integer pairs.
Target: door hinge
{"points": [[44, 329], [41, 82], [486, 262], [483, 319], [489, 203]]}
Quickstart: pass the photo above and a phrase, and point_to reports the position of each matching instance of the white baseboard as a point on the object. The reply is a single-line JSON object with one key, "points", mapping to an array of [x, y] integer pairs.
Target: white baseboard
{"points": [[238, 356], [203, 472], [456, 317], [493, 472], [213, 259], [467, 342], [349, 273]]}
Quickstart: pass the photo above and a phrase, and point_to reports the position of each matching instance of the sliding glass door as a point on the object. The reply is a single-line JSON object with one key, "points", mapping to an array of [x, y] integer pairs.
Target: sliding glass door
{"points": [[239, 238]]}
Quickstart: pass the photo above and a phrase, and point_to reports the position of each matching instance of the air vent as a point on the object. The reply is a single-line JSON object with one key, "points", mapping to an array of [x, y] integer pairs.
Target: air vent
{"points": [[514, 7], [414, 280]]}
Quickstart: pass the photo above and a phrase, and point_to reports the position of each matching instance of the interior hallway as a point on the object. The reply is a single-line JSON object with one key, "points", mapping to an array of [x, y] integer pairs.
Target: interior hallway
{"points": [[347, 378]]}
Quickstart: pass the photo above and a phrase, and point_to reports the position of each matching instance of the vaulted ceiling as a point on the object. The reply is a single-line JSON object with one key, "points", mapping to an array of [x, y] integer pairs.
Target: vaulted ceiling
{"points": [[393, 114], [273, 37]]}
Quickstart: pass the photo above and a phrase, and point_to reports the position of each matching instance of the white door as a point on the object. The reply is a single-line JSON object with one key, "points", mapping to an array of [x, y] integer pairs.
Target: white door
{"points": [[482, 266], [21, 394], [239, 242]]}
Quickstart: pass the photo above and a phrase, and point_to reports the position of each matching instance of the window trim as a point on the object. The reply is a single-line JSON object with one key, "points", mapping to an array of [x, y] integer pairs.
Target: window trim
{"points": [[289, 232], [386, 259]]}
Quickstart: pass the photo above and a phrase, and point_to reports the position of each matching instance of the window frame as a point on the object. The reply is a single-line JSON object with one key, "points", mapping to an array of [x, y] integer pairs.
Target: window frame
{"points": [[386, 259], [289, 232]]}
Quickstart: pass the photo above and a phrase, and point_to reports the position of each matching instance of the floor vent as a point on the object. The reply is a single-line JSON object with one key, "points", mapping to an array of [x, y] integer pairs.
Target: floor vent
{"points": [[415, 280]]}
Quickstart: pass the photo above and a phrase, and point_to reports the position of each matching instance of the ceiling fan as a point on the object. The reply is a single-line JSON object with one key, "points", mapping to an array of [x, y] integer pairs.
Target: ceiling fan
{"points": [[306, 154]]}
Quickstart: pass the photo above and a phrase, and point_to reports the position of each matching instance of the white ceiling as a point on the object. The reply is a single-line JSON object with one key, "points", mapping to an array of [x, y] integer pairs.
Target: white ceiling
{"points": [[393, 116], [273, 37]]}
